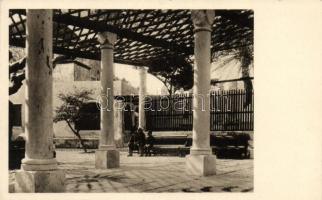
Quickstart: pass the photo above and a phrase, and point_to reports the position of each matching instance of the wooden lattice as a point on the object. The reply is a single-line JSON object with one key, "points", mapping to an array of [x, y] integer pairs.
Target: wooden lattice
{"points": [[143, 35]]}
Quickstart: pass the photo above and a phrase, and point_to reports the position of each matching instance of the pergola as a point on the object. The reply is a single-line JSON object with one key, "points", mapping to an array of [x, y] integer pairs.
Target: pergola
{"points": [[143, 36], [135, 37]]}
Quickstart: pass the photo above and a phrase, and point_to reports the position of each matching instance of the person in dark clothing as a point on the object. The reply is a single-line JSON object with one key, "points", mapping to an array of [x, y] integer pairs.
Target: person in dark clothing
{"points": [[132, 142], [141, 141], [149, 144]]}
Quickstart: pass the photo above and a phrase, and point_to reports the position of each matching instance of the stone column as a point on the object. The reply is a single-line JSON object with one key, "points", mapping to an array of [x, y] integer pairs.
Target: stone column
{"points": [[39, 171], [201, 161], [118, 122], [142, 93], [107, 156]]}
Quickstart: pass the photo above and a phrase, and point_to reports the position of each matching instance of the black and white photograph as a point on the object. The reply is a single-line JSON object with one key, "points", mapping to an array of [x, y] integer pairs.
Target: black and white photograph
{"points": [[131, 100], [157, 100]]}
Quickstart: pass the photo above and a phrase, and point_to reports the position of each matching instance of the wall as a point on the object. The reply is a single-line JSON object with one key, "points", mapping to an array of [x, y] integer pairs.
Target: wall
{"points": [[226, 69], [63, 82]]}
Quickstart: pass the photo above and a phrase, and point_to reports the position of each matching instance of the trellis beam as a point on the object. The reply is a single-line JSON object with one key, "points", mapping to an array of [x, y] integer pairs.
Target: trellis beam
{"points": [[124, 33]]}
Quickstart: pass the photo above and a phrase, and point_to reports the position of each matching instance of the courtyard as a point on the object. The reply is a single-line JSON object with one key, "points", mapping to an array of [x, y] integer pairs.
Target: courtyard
{"points": [[194, 53], [184, 52], [150, 174]]}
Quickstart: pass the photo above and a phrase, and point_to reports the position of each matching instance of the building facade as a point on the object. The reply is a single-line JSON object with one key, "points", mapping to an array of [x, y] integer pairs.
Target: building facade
{"points": [[68, 78]]}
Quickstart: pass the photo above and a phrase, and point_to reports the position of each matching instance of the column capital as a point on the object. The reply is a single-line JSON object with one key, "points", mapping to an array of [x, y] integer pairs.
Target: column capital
{"points": [[143, 69], [202, 19], [107, 40]]}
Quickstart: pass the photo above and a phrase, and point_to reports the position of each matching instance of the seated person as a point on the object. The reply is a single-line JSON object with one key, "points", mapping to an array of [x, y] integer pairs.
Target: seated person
{"points": [[141, 140], [149, 144], [132, 142]]}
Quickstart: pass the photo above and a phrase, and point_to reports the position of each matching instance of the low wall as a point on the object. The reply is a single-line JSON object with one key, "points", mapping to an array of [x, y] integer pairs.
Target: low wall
{"points": [[92, 140], [75, 143]]}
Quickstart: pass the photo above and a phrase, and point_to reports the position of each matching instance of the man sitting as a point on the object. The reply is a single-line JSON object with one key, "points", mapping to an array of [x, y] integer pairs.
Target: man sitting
{"points": [[132, 142], [141, 141], [137, 141], [149, 144]]}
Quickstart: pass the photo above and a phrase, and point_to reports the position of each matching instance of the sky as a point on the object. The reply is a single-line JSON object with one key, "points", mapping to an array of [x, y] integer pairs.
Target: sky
{"points": [[131, 74]]}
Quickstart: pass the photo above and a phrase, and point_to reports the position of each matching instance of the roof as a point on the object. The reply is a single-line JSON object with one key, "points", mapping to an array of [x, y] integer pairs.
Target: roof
{"points": [[144, 36]]}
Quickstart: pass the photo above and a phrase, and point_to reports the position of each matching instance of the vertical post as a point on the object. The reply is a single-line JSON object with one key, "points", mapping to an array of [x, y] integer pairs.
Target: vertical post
{"points": [[107, 156], [142, 94], [39, 171], [118, 122], [201, 161]]}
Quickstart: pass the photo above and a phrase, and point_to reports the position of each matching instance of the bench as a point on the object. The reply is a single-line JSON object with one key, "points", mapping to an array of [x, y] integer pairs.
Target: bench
{"points": [[231, 145], [224, 145], [168, 145]]}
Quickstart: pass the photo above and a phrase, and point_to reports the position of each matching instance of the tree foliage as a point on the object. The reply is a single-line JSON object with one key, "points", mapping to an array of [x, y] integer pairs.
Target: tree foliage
{"points": [[17, 64], [231, 35], [175, 73], [245, 55], [69, 110]]}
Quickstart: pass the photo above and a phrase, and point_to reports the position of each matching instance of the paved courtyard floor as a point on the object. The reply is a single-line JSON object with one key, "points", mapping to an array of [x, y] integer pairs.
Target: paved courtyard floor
{"points": [[150, 174]]}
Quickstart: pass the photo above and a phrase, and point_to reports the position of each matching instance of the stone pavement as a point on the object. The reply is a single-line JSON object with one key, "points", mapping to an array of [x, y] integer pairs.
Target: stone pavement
{"points": [[151, 174]]}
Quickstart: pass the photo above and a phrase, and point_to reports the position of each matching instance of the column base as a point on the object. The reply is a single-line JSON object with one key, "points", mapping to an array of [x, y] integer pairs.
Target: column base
{"points": [[39, 181], [119, 143], [29, 164], [201, 165], [105, 159]]}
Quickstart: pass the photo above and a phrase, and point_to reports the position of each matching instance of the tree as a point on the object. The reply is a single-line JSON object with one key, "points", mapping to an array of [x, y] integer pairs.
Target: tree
{"points": [[233, 35], [70, 110], [237, 43], [245, 55], [17, 64], [175, 73]]}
